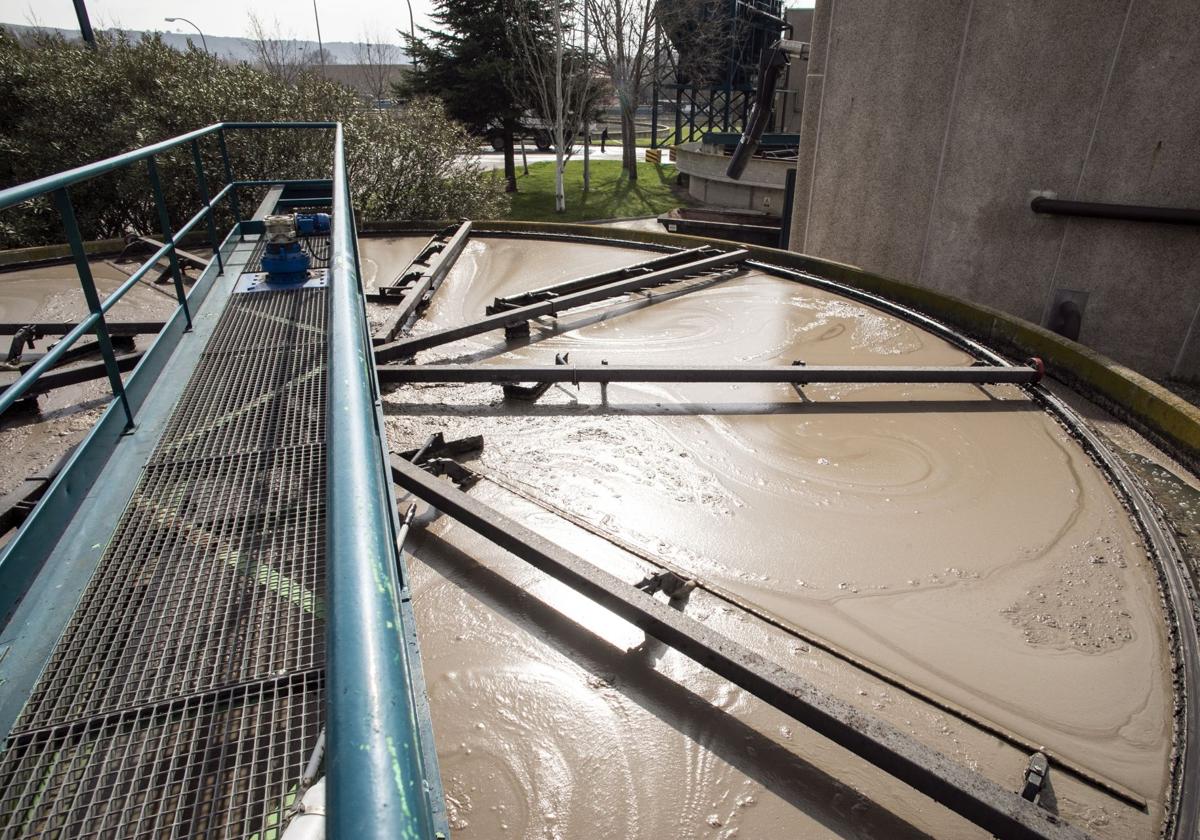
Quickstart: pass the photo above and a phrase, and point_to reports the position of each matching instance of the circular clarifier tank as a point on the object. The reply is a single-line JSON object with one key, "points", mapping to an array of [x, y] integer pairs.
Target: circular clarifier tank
{"points": [[947, 558]]}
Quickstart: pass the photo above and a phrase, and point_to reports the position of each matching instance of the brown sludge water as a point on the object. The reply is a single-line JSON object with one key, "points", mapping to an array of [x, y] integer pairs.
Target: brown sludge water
{"points": [[952, 535], [52, 294]]}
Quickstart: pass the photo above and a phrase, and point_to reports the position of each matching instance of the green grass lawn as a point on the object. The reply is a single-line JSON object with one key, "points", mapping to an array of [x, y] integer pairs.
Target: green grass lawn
{"points": [[613, 196]]}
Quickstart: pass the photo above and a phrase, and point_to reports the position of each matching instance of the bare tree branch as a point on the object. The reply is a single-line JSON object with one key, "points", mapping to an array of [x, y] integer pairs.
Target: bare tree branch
{"points": [[278, 52], [377, 61], [625, 33], [555, 73]]}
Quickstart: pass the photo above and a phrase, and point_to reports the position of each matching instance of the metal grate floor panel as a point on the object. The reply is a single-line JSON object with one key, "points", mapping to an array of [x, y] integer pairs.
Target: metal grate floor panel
{"points": [[218, 765], [216, 584], [285, 318], [249, 402], [184, 696]]}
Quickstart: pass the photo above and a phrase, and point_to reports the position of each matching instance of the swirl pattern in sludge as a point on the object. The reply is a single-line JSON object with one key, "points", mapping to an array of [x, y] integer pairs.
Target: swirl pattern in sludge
{"points": [[952, 535]]}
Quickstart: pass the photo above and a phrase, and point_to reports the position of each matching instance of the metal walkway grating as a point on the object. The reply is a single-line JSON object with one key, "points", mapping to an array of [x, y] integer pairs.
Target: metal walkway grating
{"points": [[249, 402], [250, 397], [219, 765], [283, 318], [184, 695]]}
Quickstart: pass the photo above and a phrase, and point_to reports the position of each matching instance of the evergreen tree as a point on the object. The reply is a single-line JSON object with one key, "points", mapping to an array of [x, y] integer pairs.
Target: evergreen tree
{"points": [[468, 61]]}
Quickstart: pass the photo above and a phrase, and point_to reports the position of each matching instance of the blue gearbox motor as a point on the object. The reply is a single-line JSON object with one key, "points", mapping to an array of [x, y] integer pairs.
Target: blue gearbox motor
{"points": [[285, 259]]}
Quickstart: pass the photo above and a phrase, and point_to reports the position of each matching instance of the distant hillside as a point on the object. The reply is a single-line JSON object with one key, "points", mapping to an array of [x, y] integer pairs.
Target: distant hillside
{"points": [[232, 49]]}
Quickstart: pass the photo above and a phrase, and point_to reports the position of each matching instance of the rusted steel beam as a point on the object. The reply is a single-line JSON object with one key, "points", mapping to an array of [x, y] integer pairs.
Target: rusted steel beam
{"points": [[519, 317], [790, 374]]}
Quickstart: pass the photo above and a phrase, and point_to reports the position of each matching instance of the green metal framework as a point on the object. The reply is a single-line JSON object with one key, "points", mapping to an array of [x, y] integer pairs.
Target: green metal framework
{"points": [[723, 103], [380, 764]]}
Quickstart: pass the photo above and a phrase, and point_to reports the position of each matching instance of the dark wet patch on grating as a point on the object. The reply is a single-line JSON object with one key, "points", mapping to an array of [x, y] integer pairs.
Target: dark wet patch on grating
{"points": [[317, 247], [170, 706]]}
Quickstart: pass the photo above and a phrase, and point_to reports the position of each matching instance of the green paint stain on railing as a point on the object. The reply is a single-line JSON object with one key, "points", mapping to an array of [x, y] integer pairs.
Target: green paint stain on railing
{"points": [[398, 778]]}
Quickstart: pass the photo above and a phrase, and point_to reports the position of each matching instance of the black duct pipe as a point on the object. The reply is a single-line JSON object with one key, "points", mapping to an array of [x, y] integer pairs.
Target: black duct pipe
{"points": [[774, 62], [1123, 212]]}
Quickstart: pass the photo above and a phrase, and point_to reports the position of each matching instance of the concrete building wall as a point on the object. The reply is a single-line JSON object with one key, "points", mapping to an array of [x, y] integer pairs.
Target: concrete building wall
{"points": [[930, 124], [791, 106]]}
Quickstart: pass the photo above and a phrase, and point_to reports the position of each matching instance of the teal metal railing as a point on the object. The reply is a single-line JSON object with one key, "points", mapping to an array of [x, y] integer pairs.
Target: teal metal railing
{"points": [[373, 793], [58, 188], [382, 777]]}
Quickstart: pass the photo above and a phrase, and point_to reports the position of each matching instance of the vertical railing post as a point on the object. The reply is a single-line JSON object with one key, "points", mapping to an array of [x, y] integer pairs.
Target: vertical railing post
{"points": [[63, 201], [164, 222], [679, 115], [202, 182], [234, 205]]}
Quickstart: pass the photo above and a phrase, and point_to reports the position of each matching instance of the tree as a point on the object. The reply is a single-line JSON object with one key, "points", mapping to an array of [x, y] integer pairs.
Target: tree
{"points": [[625, 33], [557, 73], [278, 52], [697, 40], [413, 163], [468, 62], [376, 64]]}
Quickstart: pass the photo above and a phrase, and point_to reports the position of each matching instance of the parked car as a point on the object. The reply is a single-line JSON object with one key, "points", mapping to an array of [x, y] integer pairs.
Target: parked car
{"points": [[539, 135]]}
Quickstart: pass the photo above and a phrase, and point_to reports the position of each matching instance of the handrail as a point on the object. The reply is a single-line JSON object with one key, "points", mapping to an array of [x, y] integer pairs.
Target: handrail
{"points": [[61, 180], [58, 185], [378, 779], [375, 771]]}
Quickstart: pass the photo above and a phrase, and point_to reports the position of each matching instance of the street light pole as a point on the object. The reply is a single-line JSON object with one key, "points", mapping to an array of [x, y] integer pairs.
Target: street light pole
{"points": [[320, 44], [203, 40], [412, 31], [85, 24]]}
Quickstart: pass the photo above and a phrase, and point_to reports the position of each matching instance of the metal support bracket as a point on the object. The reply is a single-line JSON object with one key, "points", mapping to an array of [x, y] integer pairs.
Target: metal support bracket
{"points": [[435, 456], [436, 446], [23, 339], [258, 281], [531, 393], [1035, 777]]}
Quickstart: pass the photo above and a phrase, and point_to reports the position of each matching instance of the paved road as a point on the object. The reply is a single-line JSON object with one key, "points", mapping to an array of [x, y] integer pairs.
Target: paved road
{"points": [[494, 160]]}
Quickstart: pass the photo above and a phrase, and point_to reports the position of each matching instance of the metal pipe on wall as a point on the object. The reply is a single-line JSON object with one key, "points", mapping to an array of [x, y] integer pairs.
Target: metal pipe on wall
{"points": [[1120, 212]]}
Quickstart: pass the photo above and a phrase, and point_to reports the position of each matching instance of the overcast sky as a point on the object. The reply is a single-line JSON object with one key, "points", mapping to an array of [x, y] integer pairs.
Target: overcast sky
{"points": [[341, 20]]}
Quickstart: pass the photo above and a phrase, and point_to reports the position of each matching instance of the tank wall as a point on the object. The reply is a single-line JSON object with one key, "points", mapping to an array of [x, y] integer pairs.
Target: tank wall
{"points": [[760, 188], [929, 125]]}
